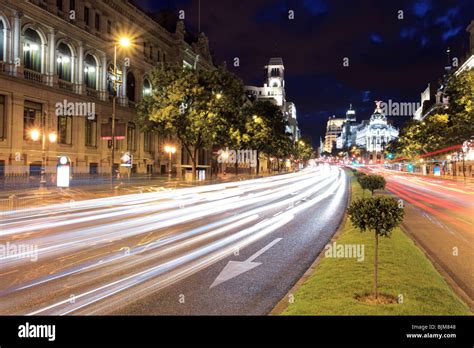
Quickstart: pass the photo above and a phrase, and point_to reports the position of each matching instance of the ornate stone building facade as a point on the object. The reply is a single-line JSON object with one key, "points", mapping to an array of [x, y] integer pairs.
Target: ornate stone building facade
{"points": [[274, 90], [55, 52]]}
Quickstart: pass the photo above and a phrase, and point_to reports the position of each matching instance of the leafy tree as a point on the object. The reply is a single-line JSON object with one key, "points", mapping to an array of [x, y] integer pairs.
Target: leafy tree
{"points": [[303, 150], [450, 126], [197, 107], [460, 93], [380, 214], [265, 130], [372, 182]]}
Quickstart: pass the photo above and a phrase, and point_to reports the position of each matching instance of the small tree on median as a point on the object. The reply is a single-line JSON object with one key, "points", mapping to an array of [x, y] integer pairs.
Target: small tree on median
{"points": [[372, 182], [380, 214]]}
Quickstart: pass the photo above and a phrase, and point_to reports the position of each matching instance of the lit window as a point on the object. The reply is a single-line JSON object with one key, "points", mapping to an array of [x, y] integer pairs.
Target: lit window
{"points": [[90, 72], [64, 62], [32, 50]]}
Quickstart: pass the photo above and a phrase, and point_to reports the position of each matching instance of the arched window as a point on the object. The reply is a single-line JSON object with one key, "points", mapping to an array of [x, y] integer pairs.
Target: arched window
{"points": [[2, 40], [130, 86], [90, 72], [64, 62], [146, 87], [32, 50]]}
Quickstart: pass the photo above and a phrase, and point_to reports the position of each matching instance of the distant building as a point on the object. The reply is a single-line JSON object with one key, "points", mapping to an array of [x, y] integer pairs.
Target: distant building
{"points": [[371, 135], [432, 99], [274, 90], [333, 131], [348, 132], [375, 134]]}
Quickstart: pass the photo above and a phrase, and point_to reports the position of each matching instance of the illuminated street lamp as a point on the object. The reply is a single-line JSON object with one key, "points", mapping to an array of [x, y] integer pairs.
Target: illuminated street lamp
{"points": [[122, 42], [169, 150], [35, 135]]}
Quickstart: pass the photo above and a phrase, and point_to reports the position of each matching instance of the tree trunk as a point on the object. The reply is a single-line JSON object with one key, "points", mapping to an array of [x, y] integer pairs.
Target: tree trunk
{"points": [[194, 163], [258, 165], [236, 167], [376, 265]]}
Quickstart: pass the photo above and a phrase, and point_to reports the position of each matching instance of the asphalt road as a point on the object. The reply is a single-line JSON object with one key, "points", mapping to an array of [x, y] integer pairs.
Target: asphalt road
{"points": [[230, 248], [439, 215]]}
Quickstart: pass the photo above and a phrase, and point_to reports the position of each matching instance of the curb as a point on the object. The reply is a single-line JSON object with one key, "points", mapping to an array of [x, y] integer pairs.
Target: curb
{"points": [[283, 303]]}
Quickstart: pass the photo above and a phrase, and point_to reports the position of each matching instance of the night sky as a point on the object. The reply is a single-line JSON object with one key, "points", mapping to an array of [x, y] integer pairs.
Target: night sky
{"points": [[389, 58]]}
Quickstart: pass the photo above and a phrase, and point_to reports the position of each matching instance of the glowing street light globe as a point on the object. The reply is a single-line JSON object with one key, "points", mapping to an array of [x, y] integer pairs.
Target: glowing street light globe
{"points": [[53, 137], [124, 41], [35, 134]]}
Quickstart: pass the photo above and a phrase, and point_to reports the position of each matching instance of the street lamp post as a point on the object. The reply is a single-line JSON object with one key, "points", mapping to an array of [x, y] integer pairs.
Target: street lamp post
{"points": [[169, 150], [52, 137], [123, 42]]}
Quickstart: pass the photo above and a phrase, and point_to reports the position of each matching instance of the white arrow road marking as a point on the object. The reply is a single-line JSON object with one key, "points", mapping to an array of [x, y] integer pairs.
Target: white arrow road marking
{"points": [[236, 268]]}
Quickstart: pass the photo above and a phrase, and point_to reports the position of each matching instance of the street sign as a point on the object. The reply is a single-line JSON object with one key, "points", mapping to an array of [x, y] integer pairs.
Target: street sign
{"points": [[126, 160]]}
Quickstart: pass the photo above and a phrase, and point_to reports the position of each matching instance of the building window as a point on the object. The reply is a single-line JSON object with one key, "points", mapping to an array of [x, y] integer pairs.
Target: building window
{"points": [[97, 21], [148, 141], [87, 15], [90, 72], [72, 5], [65, 130], [31, 116], [32, 50], [3, 117], [91, 132], [2, 39], [64, 62], [130, 86], [59, 5], [151, 52], [131, 141], [146, 87], [109, 27]]}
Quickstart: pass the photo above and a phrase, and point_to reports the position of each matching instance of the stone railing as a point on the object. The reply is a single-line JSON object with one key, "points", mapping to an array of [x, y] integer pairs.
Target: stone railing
{"points": [[66, 85], [91, 92], [33, 75]]}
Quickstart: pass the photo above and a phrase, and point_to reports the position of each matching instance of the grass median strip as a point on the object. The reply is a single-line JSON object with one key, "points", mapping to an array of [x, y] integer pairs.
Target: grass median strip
{"points": [[338, 283]]}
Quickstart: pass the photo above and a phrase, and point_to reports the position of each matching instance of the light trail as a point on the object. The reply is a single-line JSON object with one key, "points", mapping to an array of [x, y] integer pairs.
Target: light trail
{"points": [[224, 218]]}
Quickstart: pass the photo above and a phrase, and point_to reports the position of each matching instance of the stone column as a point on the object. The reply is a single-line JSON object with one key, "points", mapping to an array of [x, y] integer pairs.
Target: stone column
{"points": [[17, 60], [103, 78], [52, 78], [80, 70], [123, 90]]}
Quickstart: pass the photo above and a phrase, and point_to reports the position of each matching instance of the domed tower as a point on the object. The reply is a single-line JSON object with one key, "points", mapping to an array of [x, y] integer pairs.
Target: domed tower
{"points": [[275, 73], [378, 116], [275, 80]]}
